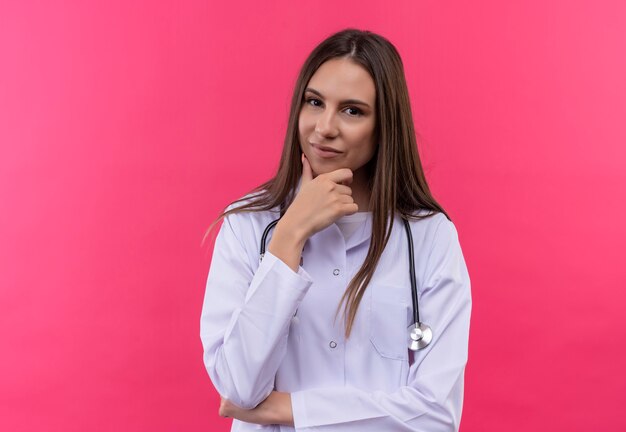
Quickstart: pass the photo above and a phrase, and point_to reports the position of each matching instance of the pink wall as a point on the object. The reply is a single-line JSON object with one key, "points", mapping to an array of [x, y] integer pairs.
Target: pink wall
{"points": [[126, 126]]}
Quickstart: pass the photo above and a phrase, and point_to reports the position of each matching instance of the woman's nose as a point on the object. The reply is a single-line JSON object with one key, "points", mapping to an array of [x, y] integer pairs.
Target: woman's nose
{"points": [[325, 125]]}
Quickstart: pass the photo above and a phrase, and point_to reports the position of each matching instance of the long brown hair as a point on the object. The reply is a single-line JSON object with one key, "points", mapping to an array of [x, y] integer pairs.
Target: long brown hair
{"points": [[396, 178]]}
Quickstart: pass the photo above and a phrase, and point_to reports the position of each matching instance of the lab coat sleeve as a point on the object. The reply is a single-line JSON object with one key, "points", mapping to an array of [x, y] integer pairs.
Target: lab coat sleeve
{"points": [[246, 314], [432, 400]]}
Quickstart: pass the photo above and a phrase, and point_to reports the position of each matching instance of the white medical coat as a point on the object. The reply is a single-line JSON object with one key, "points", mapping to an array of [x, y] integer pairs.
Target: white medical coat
{"points": [[253, 343]]}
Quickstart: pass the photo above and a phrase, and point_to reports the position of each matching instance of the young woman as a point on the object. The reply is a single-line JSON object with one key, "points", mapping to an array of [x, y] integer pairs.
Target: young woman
{"points": [[348, 220]]}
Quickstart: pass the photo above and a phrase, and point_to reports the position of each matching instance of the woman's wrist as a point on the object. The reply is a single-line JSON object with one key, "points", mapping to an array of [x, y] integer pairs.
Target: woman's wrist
{"points": [[286, 244], [293, 233], [280, 408]]}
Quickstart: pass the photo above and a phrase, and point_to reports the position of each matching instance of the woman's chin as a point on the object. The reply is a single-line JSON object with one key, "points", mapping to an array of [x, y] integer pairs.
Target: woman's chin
{"points": [[317, 170]]}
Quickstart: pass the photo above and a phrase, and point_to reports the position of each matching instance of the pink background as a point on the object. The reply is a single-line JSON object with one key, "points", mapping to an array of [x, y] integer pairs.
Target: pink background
{"points": [[126, 126]]}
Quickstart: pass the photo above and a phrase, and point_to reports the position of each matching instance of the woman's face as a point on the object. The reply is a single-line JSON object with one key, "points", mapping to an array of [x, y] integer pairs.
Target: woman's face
{"points": [[338, 112]]}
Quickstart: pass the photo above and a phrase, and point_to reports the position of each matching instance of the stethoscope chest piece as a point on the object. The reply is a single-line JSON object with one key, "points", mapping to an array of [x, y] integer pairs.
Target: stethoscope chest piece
{"points": [[420, 336]]}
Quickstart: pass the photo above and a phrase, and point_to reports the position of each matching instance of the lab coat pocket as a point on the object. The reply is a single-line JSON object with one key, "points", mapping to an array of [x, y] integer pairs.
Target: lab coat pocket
{"points": [[388, 315]]}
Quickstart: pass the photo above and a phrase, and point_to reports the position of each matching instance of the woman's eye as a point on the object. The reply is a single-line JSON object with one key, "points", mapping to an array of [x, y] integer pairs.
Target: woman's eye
{"points": [[309, 100], [357, 111]]}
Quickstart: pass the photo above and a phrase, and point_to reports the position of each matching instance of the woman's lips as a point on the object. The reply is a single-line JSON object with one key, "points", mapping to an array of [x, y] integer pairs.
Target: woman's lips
{"points": [[326, 154]]}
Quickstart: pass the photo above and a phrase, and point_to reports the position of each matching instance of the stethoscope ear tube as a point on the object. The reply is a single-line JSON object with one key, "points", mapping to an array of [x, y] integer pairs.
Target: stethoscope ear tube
{"points": [[419, 334]]}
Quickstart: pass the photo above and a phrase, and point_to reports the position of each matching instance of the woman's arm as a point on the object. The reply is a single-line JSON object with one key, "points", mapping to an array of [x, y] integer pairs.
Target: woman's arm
{"points": [[276, 409], [287, 244], [246, 314]]}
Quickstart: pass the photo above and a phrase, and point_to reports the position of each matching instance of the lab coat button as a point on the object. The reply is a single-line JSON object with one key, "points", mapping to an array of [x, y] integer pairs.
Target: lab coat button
{"points": [[336, 272], [332, 344]]}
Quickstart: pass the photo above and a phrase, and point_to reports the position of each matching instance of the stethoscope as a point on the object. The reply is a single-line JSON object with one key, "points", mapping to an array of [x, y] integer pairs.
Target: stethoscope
{"points": [[419, 333]]}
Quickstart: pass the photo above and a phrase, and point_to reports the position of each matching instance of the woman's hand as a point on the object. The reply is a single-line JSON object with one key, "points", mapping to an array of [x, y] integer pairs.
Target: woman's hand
{"points": [[320, 201], [275, 409]]}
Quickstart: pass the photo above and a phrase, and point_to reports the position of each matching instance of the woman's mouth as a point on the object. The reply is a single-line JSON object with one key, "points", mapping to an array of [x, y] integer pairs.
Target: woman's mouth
{"points": [[323, 153]]}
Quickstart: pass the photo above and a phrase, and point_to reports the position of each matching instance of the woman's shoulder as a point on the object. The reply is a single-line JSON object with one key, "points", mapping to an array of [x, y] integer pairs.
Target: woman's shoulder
{"points": [[437, 236], [247, 226], [432, 227], [248, 222]]}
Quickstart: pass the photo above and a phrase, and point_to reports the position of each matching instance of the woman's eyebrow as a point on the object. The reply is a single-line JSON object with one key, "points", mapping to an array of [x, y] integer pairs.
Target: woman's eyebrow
{"points": [[347, 101]]}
